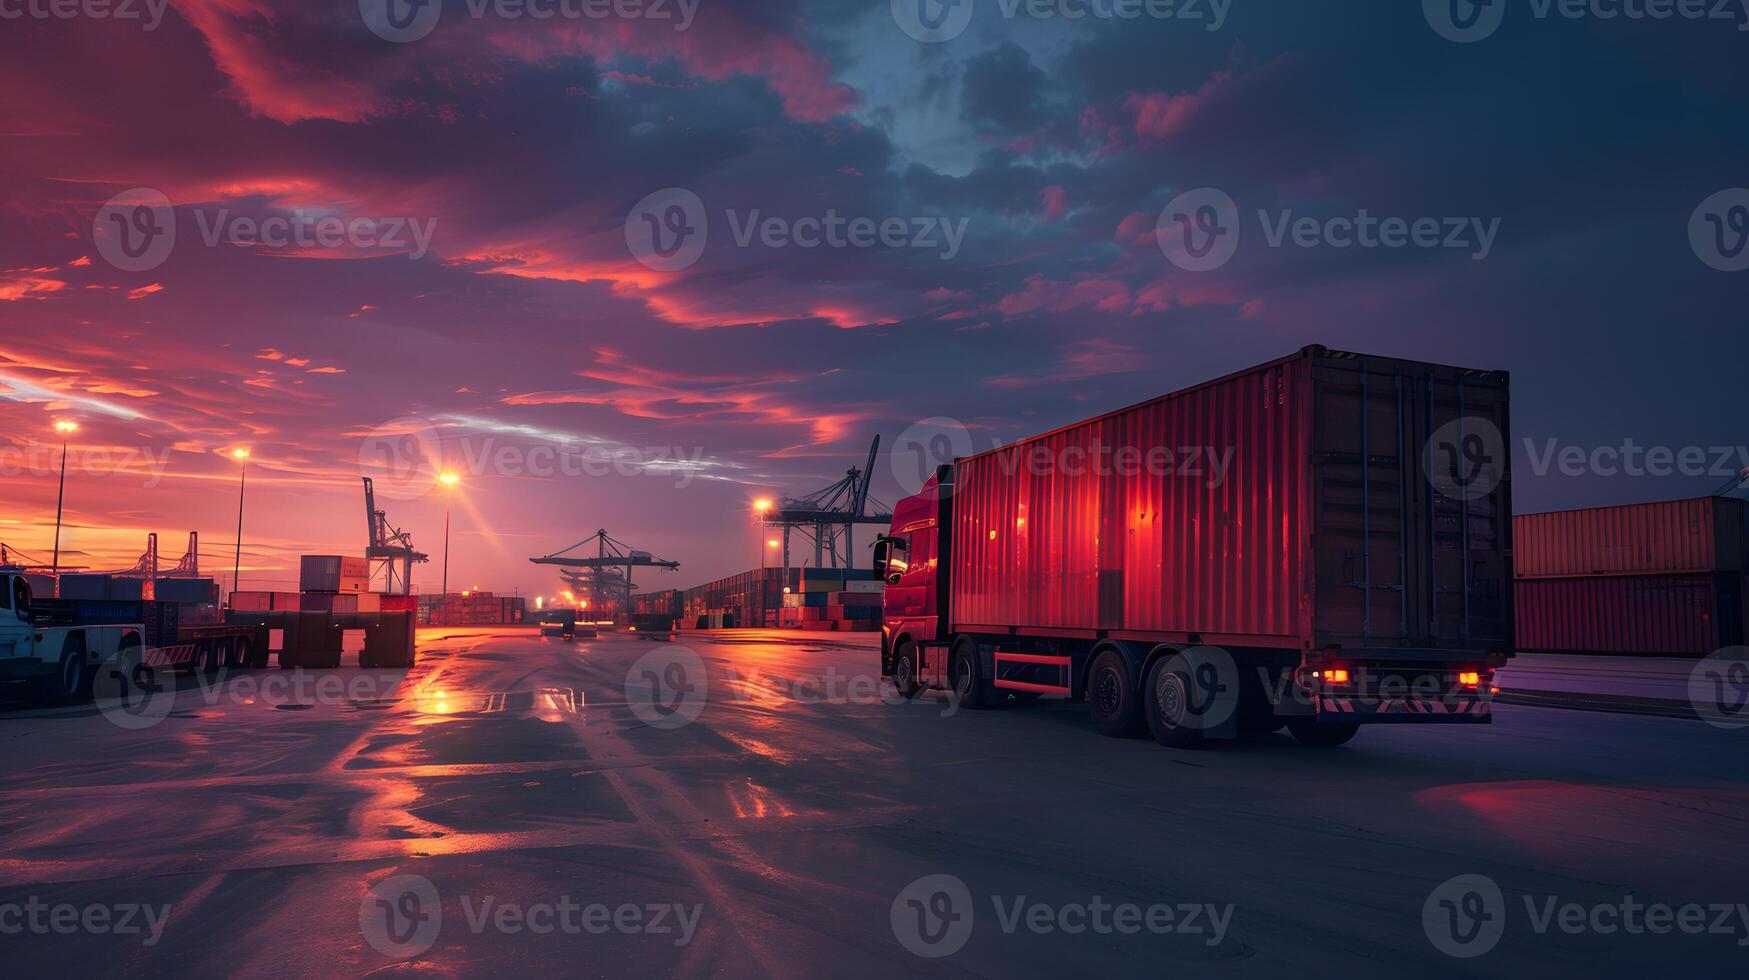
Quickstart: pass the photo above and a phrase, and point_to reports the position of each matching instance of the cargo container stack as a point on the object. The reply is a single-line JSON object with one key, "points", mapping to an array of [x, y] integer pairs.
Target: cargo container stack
{"points": [[834, 600], [1650, 579], [472, 609]]}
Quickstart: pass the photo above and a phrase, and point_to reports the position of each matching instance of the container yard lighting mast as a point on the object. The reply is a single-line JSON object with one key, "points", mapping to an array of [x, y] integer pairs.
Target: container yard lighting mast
{"points": [[610, 557], [830, 515], [390, 547]]}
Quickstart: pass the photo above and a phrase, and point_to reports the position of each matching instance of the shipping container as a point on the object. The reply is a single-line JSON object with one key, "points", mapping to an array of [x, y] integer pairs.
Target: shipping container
{"points": [[1704, 534], [188, 590], [333, 573], [1642, 615], [84, 586], [1288, 514]]}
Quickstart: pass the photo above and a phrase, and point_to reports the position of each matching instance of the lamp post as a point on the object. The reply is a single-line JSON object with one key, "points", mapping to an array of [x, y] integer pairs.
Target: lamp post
{"points": [[65, 428], [449, 481], [760, 508], [242, 458]]}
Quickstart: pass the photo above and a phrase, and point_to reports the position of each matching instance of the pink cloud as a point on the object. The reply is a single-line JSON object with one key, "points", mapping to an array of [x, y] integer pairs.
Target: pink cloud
{"points": [[1056, 202]]}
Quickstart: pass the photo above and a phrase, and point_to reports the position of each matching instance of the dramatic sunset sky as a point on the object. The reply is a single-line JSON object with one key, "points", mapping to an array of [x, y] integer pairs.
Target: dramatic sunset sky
{"points": [[523, 145]]}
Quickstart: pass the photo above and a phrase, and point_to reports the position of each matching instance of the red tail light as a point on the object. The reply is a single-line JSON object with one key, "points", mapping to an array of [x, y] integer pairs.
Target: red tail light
{"points": [[1470, 678]]}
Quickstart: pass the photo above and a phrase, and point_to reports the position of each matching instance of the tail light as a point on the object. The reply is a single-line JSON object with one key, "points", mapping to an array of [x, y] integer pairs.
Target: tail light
{"points": [[1470, 678]]}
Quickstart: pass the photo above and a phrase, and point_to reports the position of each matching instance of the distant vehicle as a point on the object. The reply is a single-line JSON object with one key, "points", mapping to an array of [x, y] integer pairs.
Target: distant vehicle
{"points": [[563, 623], [1261, 551], [651, 626]]}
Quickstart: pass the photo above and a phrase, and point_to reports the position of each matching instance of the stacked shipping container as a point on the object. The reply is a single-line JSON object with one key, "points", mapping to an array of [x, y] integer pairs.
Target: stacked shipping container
{"points": [[1662, 579], [472, 609]]}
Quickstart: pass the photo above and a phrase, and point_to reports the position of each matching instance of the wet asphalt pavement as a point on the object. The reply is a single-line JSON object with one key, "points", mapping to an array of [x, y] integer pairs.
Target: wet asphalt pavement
{"points": [[518, 807]]}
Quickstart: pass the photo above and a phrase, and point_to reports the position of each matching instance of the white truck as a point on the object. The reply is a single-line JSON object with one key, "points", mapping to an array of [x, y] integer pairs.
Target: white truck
{"points": [[59, 663]]}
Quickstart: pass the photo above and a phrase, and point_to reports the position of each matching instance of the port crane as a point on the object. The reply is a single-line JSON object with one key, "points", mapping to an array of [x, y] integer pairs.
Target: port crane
{"points": [[611, 556], [389, 547], [828, 517]]}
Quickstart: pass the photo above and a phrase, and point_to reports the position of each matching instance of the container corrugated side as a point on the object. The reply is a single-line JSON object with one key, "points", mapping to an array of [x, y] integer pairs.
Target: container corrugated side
{"points": [[1686, 615], [1703, 534]]}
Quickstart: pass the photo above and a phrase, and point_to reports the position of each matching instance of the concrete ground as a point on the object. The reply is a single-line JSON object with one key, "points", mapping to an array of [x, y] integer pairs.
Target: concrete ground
{"points": [[750, 805]]}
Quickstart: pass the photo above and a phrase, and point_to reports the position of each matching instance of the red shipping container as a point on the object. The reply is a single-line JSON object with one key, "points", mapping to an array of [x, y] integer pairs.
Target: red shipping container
{"points": [[1286, 505], [1680, 615], [1705, 534]]}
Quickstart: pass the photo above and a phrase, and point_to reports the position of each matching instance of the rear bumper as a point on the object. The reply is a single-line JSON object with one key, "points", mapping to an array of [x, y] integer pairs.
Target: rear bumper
{"points": [[1335, 709]]}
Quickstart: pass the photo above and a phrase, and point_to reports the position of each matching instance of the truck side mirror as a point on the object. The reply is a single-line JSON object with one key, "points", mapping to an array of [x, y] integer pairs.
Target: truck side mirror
{"points": [[890, 562], [881, 549]]}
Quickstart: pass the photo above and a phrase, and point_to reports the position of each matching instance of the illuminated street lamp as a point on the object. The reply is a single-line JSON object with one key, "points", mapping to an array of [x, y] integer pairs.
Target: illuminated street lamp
{"points": [[449, 481], [65, 428], [761, 507], [242, 457]]}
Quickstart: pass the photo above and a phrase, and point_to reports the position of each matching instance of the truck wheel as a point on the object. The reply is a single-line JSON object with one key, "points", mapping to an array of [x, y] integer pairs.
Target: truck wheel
{"points": [[71, 680], [1308, 732], [1112, 696], [1166, 705], [905, 670], [209, 658], [969, 688]]}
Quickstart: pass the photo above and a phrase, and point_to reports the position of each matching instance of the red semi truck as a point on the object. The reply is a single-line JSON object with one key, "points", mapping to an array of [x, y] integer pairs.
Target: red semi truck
{"points": [[1316, 543]]}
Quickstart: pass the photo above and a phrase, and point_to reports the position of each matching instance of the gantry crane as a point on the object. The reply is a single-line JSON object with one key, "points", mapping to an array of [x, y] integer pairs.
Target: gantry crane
{"points": [[611, 556], [388, 546], [831, 514]]}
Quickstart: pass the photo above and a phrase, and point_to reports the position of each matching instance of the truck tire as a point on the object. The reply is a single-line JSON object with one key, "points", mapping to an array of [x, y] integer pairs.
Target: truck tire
{"points": [[71, 680], [1308, 732], [1112, 697], [905, 670], [967, 685], [1166, 705], [208, 658]]}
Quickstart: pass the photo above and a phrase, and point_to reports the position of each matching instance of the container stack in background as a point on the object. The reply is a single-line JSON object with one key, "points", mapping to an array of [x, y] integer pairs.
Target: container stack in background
{"points": [[745, 599], [835, 600], [328, 583], [1652, 579], [472, 609]]}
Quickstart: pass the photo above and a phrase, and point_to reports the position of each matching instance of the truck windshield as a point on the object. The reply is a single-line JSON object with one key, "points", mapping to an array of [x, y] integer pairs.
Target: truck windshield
{"points": [[21, 597]]}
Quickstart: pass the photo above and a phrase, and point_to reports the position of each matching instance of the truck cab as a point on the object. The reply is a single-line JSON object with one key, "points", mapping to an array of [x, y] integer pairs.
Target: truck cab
{"points": [[909, 559], [59, 663]]}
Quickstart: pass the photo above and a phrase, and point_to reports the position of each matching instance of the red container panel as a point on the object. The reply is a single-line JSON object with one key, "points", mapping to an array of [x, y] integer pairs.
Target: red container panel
{"points": [[1245, 510], [1689, 615], [1667, 537]]}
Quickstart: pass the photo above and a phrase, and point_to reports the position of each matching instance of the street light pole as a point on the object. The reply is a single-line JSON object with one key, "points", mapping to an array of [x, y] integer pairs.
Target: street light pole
{"points": [[449, 480], [242, 457], [760, 507], [65, 429]]}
